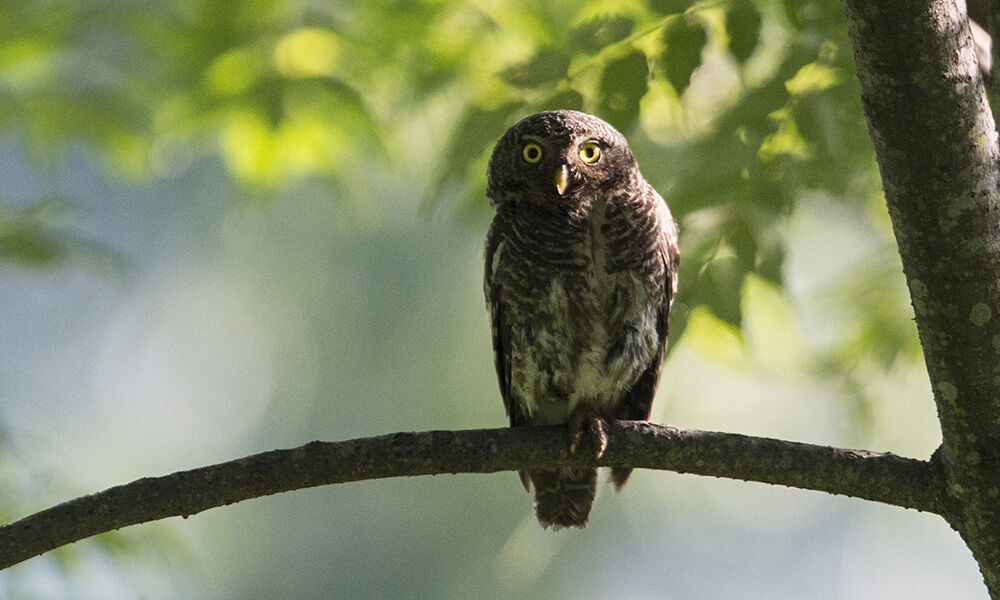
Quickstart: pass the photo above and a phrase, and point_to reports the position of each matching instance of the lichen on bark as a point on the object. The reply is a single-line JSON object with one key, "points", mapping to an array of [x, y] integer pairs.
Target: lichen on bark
{"points": [[936, 145]]}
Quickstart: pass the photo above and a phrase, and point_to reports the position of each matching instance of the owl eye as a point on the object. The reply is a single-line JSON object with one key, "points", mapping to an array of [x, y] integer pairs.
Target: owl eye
{"points": [[531, 152], [590, 153]]}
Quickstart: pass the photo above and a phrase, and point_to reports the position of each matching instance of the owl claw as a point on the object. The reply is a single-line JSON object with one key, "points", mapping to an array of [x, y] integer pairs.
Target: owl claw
{"points": [[594, 425], [599, 436]]}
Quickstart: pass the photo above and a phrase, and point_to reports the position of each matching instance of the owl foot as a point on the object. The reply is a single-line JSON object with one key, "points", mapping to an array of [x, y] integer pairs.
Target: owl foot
{"points": [[593, 425]]}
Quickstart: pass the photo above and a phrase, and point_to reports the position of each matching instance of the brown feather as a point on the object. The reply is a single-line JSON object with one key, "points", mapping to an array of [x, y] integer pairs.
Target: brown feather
{"points": [[579, 284]]}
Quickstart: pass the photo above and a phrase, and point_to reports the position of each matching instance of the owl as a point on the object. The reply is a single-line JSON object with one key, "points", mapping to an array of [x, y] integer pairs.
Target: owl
{"points": [[581, 269]]}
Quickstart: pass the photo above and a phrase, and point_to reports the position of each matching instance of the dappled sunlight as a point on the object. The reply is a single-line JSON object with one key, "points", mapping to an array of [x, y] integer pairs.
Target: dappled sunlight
{"points": [[308, 52], [247, 226], [714, 338], [233, 72], [813, 77], [27, 63], [248, 145]]}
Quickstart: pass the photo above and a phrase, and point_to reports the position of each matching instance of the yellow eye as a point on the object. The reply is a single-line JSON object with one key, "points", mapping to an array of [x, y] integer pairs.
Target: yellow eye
{"points": [[532, 152], [590, 152]]}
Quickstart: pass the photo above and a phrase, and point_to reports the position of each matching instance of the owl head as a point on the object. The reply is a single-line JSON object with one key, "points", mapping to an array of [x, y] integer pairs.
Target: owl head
{"points": [[559, 157]]}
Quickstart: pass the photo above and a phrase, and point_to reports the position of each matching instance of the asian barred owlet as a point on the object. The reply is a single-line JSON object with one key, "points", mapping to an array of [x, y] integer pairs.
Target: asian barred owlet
{"points": [[581, 268]]}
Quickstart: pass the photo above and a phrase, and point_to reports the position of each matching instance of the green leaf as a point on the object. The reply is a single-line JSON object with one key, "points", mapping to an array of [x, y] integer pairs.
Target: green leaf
{"points": [[566, 99], [881, 328], [743, 22], [792, 9], [714, 338], [477, 130], [27, 233], [546, 66], [770, 324], [669, 7], [623, 83], [752, 235], [35, 235], [770, 257], [719, 286], [29, 246], [685, 38], [599, 32], [739, 237]]}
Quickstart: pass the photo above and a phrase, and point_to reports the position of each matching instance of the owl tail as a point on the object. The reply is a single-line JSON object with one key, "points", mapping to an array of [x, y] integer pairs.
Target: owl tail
{"points": [[563, 497]]}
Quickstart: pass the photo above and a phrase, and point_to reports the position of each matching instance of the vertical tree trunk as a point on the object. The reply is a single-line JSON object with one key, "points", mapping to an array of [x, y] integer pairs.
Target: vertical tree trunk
{"points": [[936, 144]]}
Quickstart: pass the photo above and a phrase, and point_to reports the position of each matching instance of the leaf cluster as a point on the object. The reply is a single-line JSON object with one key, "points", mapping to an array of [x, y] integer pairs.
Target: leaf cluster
{"points": [[735, 108]]}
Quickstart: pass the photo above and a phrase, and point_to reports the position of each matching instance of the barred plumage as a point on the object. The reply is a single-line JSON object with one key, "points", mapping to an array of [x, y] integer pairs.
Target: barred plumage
{"points": [[581, 268]]}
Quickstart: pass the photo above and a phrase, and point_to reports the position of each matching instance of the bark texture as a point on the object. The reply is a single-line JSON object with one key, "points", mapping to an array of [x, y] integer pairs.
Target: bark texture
{"points": [[936, 145], [991, 16], [880, 477]]}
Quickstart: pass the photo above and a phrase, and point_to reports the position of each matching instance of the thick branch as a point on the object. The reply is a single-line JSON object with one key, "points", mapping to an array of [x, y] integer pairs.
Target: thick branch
{"points": [[880, 477], [993, 50], [936, 145]]}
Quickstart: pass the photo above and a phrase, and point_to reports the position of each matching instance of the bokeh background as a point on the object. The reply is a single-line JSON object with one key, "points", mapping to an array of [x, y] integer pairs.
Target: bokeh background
{"points": [[228, 227]]}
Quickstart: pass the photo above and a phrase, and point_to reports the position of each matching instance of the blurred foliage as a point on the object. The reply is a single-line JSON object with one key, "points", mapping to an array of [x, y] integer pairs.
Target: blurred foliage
{"points": [[734, 107], [40, 234], [878, 330], [26, 236], [295, 89]]}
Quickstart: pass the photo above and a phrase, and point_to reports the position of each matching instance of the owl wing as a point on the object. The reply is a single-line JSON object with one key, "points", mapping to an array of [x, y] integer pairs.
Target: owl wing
{"points": [[493, 286], [638, 402]]}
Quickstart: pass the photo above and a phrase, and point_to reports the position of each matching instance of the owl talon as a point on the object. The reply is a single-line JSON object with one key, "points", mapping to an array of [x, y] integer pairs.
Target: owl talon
{"points": [[574, 438], [595, 428]]}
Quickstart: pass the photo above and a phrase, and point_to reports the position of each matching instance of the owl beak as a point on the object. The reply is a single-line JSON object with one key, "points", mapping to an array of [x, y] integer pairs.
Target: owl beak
{"points": [[562, 179]]}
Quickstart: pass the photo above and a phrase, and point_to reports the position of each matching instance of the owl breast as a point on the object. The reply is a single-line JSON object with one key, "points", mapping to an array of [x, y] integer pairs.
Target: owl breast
{"points": [[588, 329]]}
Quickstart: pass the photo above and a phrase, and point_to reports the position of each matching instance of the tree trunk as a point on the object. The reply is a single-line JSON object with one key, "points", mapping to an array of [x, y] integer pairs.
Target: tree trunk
{"points": [[936, 145]]}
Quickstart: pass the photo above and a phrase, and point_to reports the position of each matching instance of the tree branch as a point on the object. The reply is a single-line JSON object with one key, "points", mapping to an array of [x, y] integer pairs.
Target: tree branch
{"points": [[936, 145], [884, 478], [993, 50]]}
